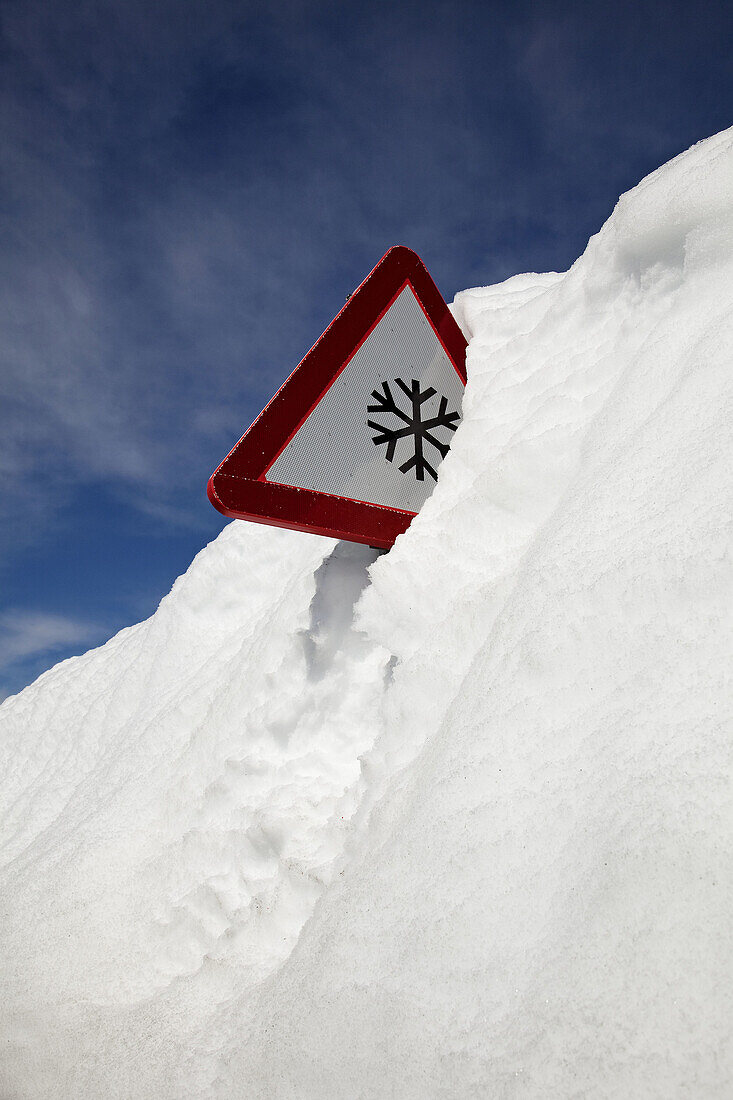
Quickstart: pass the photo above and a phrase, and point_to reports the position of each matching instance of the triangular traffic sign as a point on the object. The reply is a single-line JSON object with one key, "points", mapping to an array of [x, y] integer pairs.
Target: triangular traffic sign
{"points": [[350, 444]]}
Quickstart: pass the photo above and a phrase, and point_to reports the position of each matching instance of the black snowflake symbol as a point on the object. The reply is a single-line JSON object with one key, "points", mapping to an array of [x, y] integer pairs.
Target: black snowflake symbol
{"points": [[420, 429]]}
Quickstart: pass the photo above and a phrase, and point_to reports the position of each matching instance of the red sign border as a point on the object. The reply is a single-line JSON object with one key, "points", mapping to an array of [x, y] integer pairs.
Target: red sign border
{"points": [[238, 487]]}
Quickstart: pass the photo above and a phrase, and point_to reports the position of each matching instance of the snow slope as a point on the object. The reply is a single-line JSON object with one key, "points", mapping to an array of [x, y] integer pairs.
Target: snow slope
{"points": [[456, 822]]}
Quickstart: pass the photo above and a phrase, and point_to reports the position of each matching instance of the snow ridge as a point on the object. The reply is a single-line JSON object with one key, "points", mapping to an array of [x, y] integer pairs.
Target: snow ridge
{"points": [[453, 821]]}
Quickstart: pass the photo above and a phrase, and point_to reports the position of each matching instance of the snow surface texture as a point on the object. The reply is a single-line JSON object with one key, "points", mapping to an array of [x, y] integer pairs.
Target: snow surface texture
{"points": [[465, 830]]}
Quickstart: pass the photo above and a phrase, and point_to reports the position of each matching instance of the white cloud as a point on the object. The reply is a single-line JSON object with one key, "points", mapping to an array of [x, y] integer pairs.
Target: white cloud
{"points": [[26, 634]]}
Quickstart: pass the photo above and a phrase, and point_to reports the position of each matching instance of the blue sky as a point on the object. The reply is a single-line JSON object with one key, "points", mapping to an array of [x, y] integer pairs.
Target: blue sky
{"points": [[188, 192]]}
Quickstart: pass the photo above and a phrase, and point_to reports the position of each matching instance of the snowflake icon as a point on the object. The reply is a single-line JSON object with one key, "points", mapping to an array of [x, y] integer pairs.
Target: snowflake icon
{"points": [[414, 425]]}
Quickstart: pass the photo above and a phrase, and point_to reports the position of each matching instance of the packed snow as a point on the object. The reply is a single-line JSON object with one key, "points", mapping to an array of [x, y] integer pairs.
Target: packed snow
{"points": [[453, 821]]}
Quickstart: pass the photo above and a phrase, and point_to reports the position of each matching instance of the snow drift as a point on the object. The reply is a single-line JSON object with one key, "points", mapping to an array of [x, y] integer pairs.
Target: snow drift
{"points": [[454, 822]]}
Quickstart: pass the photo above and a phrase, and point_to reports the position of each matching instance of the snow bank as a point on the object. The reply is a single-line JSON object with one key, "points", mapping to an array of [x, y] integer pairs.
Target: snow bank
{"points": [[496, 778], [172, 803]]}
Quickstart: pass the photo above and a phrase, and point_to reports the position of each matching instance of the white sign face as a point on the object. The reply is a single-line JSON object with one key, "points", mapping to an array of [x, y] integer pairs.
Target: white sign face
{"points": [[381, 430]]}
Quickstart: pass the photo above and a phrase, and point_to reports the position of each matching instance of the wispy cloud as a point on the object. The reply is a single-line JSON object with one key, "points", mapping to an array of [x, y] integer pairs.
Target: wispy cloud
{"points": [[25, 634]]}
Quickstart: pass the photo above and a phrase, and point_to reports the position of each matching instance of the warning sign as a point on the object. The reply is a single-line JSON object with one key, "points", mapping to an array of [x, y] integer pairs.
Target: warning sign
{"points": [[351, 444]]}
